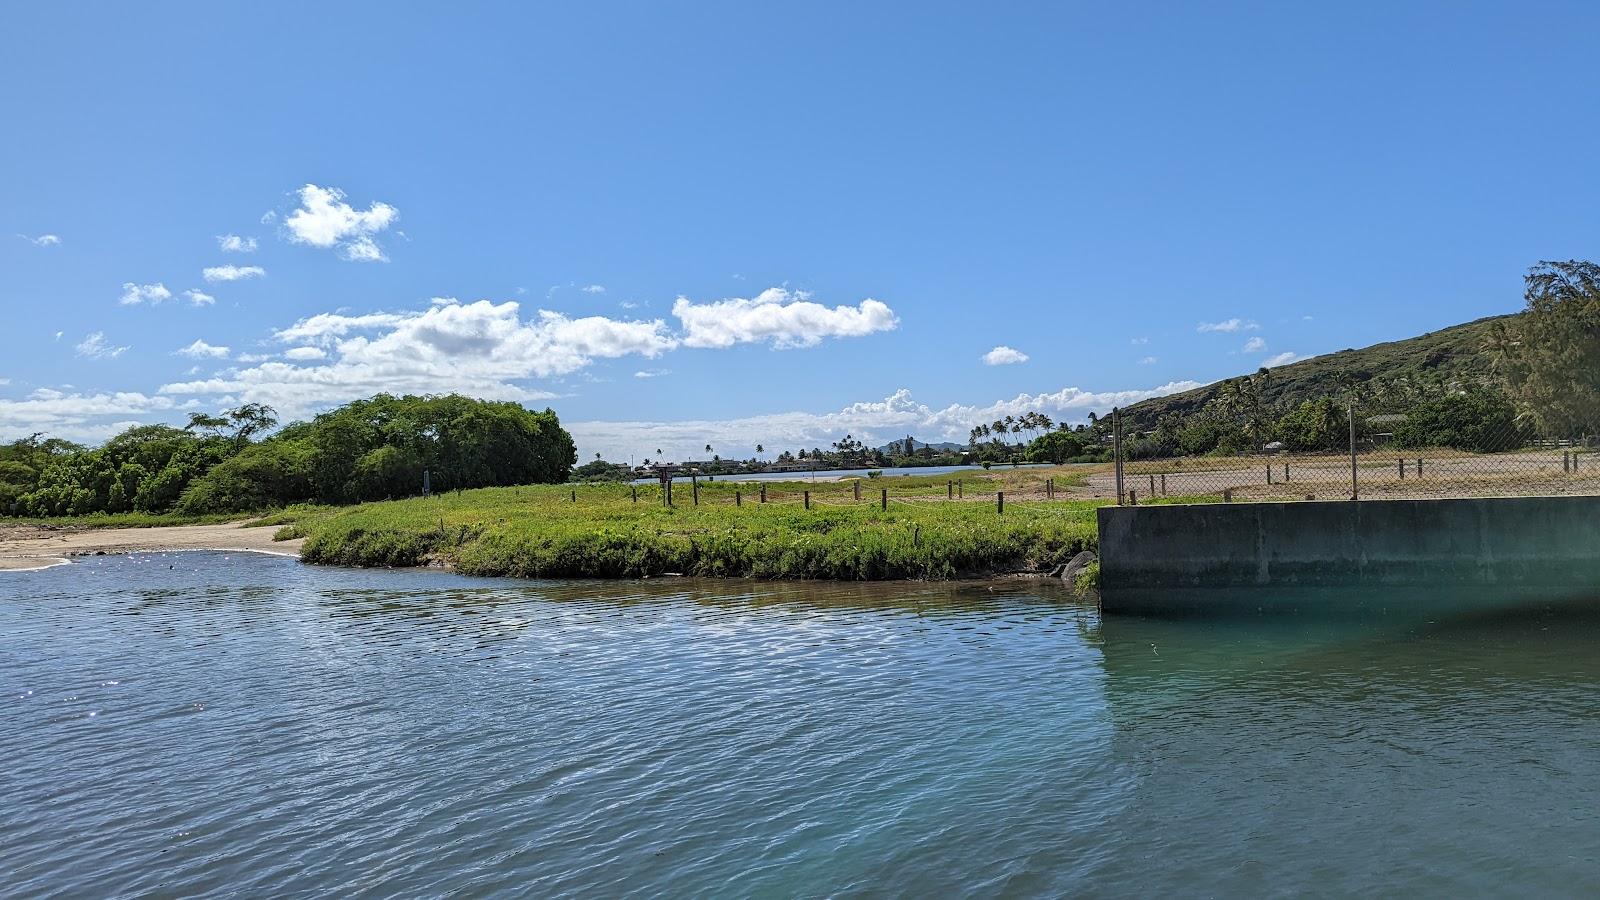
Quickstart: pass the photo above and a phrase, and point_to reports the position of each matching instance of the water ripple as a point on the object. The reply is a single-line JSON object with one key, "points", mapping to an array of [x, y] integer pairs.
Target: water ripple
{"points": [[234, 724]]}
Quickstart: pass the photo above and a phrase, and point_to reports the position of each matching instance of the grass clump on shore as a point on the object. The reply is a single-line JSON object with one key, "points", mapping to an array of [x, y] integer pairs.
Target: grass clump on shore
{"points": [[543, 532]]}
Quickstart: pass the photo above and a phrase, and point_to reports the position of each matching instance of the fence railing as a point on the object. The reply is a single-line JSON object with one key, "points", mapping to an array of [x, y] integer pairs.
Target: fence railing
{"points": [[1468, 460]]}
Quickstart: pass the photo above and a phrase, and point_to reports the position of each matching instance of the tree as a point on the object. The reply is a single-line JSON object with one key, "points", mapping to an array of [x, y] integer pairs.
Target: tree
{"points": [[1550, 355], [1055, 447], [1481, 420]]}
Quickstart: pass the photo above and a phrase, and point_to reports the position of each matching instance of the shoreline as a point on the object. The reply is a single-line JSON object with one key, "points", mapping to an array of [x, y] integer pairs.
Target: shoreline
{"points": [[31, 548]]}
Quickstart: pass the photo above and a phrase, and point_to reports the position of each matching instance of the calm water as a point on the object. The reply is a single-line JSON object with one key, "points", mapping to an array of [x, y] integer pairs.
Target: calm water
{"points": [[206, 723]]}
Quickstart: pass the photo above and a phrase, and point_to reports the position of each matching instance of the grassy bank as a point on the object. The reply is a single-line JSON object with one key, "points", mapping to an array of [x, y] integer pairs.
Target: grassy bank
{"points": [[545, 532]]}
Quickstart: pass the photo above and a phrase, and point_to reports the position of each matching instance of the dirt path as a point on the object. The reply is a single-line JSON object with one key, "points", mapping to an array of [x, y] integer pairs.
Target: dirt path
{"points": [[33, 546]]}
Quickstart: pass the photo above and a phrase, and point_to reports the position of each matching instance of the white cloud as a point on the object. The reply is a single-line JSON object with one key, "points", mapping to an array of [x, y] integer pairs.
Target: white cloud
{"points": [[325, 220], [1139, 341], [1227, 326], [652, 373], [1255, 345], [199, 298], [324, 327], [1282, 359], [43, 240], [1148, 361], [232, 273], [73, 416], [232, 243], [95, 346], [594, 289], [487, 349], [133, 294], [482, 349], [202, 350], [787, 319], [1004, 356], [248, 358], [872, 422], [59, 334]]}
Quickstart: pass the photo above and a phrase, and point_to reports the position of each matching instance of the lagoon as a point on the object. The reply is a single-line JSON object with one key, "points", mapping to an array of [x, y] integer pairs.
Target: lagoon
{"points": [[209, 723]]}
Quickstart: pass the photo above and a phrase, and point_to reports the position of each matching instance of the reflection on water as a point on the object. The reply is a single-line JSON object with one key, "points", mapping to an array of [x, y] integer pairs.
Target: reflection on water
{"points": [[197, 723]]}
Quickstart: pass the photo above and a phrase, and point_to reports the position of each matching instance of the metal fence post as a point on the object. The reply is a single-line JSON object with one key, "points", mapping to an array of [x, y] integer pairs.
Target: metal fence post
{"points": [[1116, 445], [1355, 484]]}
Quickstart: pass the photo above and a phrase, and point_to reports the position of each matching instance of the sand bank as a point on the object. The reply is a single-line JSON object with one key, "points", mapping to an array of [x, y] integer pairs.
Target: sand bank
{"points": [[35, 547]]}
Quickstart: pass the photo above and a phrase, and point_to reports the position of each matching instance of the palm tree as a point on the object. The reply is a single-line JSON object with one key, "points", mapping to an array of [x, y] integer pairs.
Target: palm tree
{"points": [[708, 449], [760, 450]]}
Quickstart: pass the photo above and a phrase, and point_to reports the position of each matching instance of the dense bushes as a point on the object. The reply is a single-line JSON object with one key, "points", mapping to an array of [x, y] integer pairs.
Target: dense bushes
{"points": [[367, 450], [1480, 421]]}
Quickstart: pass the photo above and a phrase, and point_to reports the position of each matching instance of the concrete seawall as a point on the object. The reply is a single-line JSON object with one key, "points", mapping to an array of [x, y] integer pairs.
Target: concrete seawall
{"points": [[1372, 554]]}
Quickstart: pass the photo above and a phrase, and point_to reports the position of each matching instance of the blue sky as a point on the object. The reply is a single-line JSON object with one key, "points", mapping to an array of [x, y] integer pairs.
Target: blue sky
{"points": [[857, 206]]}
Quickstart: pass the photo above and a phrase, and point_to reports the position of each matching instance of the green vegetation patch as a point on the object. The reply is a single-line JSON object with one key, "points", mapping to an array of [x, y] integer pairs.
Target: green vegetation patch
{"points": [[538, 532]]}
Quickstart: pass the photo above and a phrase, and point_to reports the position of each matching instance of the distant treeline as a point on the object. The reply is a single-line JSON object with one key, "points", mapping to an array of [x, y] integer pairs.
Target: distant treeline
{"points": [[366, 450]]}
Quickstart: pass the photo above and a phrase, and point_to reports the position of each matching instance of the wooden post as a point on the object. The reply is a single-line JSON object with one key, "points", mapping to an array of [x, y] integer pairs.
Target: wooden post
{"points": [[1133, 497], [738, 498], [949, 490], [636, 493], [1269, 473], [1000, 502], [1285, 470], [1050, 488], [958, 490], [763, 493], [1163, 484], [1227, 495], [695, 486], [574, 495], [808, 498], [1152, 485], [883, 500], [857, 484], [1566, 464], [1419, 467], [1402, 468]]}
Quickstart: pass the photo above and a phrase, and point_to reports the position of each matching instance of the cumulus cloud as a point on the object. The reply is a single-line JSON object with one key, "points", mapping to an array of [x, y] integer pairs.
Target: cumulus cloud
{"points": [[134, 294], [43, 240], [785, 318], [78, 417], [95, 346], [1227, 326], [232, 273], [202, 350], [873, 422], [232, 243], [1282, 359], [1004, 356], [199, 298], [1255, 345], [594, 289], [483, 349], [304, 353], [325, 220]]}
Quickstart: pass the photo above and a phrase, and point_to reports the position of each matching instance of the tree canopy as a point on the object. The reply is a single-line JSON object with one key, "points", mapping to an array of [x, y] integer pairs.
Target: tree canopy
{"points": [[366, 450]]}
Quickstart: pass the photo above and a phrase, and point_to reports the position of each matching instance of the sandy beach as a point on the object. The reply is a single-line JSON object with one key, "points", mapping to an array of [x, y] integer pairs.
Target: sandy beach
{"points": [[34, 546]]}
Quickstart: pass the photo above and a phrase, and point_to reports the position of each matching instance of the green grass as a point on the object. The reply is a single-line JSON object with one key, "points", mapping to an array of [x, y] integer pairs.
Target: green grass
{"points": [[542, 532]]}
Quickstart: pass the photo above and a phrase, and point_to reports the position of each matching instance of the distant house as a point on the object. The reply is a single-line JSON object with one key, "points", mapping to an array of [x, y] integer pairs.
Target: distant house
{"points": [[1381, 428]]}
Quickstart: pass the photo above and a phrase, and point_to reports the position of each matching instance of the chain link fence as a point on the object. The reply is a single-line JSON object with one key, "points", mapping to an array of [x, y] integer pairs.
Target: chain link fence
{"points": [[1404, 454]]}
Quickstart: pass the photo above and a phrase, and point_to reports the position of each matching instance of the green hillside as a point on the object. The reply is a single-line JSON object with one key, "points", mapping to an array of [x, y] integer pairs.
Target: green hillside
{"points": [[1454, 352]]}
